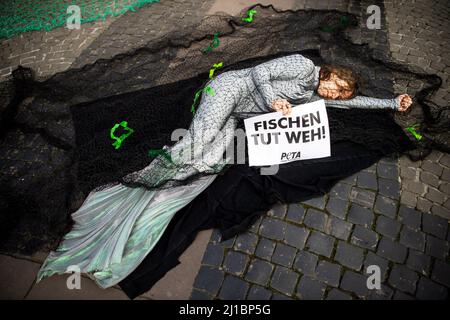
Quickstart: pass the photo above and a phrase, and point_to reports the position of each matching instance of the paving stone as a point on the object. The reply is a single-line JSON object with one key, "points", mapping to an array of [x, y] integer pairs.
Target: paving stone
{"points": [[272, 229], [367, 180], [445, 160], [429, 290], [320, 243], [390, 250], [351, 180], [277, 296], [255, 226], [16, 277], [403, 279], [360, 215], [388, 227], [387, 171], [296, 213], [209, 280], [386, 206], [408, 198], [215, 237], [259, 272], [408, 173], [296, 236], [429, 178], [410, 217], [316, 219], [310, 289], [413, 186], [329, 273], [338, 228], [373, 259], [412, 239], [398, 295], [389, 188], [434, 225], [356, 283], [364, 238], [338, 207], [341, 190], [362, 197], [384, 293], [246, 242], [305, 263], [235, 262], [284, 255], [55, 288], [258, 293], [447, 204], [228, 243], [441, 273], [233, 289], [424, 205], [435, 195], [318, 202], [284, 280], [390, 160], [213, 255], [432, 167], [419, 262], [336, 294], [279, 211], [200, 295], [349, 255], [265, 249], [445, 188], [437, 248], [443, 212], [445, 175]]}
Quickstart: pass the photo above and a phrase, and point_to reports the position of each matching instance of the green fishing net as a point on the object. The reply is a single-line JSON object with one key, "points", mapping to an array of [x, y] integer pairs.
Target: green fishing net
{"points": [[17, 16]]}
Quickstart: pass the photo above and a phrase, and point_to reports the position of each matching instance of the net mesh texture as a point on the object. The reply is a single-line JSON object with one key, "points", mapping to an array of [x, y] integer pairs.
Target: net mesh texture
{"points": [[17, 16]]}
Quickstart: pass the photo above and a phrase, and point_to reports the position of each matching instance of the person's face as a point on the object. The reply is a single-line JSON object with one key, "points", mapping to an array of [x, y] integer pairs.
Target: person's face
{"points": [[334, 88]]}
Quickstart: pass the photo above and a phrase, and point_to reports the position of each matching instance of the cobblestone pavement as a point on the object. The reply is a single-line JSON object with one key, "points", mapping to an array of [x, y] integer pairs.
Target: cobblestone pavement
{"points": [[58, 49], [419, 35], [47, 52], [394, 214]]}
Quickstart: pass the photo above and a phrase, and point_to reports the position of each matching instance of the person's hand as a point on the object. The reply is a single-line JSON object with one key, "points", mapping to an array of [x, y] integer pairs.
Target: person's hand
{"points": [[282, 105], [404, 101]]}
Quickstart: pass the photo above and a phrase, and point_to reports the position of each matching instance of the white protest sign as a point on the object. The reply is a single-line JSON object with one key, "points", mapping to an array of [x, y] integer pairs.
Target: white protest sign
{"points": [[275, 139]]}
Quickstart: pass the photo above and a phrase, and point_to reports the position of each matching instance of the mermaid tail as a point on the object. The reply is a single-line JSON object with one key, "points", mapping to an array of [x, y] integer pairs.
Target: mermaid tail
{"points": [[116, 228]]}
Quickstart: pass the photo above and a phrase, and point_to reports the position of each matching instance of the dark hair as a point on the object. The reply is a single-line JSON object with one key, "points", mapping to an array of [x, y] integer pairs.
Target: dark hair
{"points": [[343, 73]]}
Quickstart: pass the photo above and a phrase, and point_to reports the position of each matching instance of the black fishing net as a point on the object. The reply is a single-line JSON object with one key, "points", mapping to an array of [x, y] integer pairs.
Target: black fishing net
{"points": [[55, 134]]}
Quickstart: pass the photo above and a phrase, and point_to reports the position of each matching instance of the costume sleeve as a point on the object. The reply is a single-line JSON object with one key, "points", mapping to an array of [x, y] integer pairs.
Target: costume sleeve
{"points": [[365, 103], [285, 68]]}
